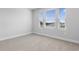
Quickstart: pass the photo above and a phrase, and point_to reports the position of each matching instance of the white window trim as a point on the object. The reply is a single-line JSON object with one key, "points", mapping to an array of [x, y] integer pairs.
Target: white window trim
{"points": [[57, 22]]}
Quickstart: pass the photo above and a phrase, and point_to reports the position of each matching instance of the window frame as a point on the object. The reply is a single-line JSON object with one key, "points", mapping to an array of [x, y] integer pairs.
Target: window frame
{"points": [[53, 19], [59, 22], [57, 19]]}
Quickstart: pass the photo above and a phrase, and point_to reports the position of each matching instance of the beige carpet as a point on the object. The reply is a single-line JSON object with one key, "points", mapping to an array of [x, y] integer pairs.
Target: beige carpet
{"points": [[35, 42]]}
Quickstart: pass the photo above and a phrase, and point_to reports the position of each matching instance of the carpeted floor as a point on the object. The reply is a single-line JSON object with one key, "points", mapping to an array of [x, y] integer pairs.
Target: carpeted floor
{"points": [[35, 42]]}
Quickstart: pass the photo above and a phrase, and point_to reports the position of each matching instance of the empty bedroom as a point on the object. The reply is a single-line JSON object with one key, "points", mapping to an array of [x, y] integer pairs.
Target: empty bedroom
{"points": [[39, 29]]}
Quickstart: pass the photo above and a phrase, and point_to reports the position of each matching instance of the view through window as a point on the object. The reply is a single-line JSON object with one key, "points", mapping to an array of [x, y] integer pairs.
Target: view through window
{"points": [[62, 15], [49, 17]]}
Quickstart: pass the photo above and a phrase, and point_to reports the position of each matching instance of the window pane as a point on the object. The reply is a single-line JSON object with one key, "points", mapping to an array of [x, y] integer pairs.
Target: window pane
{"points": [[50, 16], [62, 14]]}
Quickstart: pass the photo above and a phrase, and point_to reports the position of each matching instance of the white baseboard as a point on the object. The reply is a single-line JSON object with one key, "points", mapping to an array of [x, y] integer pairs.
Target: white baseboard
{"points": [[6, 38], [69, 40]]}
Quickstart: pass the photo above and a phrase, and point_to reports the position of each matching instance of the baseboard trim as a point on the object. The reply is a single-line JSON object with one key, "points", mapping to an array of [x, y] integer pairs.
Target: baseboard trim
{"points": [[56, 37], [69, 40], [7, 38]]}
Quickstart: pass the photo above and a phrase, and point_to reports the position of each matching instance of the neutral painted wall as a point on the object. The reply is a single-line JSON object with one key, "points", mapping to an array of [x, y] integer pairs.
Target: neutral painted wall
{"points": [[14, 21], [72, 22]]}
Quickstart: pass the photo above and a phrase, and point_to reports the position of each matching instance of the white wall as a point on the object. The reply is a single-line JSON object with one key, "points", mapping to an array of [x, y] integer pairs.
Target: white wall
{"points": [[70, 34], [14, 21]]}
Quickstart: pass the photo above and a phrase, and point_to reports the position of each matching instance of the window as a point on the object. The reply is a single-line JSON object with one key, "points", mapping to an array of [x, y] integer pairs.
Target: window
{"points": [[50, 17], [47, 18], [62, 15]]}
